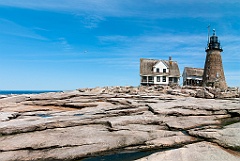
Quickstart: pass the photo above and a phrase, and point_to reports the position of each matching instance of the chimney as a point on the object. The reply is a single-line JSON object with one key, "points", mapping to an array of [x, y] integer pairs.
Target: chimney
{"points": [[170, 60]]}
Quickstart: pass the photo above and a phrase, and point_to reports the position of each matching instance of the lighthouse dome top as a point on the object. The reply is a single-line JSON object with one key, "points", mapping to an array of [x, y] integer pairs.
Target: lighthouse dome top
{"points": [[213, 43]]}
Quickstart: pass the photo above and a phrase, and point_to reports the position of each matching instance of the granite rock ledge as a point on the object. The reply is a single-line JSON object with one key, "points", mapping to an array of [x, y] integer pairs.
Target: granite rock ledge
{"points": [[91, 122]]}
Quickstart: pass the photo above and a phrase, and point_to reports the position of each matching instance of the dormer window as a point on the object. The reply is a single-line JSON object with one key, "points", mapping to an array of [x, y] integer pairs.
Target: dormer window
{"points": [[164, 71], [157, 70]]}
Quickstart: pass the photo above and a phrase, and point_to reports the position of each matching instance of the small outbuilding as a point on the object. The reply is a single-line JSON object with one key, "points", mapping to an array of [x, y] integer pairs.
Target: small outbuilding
{"points": [[192, 76]]}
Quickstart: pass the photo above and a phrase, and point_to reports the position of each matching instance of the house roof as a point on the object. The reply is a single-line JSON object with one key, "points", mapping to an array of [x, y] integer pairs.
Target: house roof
{"points": [[146, 67], [193, 71]]}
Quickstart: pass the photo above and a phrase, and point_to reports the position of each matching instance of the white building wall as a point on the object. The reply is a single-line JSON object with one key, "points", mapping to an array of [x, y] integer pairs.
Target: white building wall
{"points": [[160, 65], [194, 77], [161, 80]]}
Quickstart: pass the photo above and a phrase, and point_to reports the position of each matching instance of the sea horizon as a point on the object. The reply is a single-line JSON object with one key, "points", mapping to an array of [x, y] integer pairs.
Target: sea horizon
{"points": [[9, 92]]}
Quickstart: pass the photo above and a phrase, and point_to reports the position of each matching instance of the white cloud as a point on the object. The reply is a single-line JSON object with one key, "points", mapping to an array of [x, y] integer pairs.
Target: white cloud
{"points": [[176, 45], [157, 38], [137, 8], [64, 43], [91, 21], [11, 28], [115, 38], [170, 43], [100, 6]]}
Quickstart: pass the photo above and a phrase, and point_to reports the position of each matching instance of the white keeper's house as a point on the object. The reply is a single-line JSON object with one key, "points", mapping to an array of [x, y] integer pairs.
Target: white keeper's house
{"points": [[159, 72]]}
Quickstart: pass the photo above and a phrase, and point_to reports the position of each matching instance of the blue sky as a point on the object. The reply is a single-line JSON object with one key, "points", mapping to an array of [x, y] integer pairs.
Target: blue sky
{"points": [[69, 44]]}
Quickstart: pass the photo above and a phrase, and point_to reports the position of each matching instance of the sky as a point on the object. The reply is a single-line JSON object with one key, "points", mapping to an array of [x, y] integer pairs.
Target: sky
{"points": [[70, 44]]}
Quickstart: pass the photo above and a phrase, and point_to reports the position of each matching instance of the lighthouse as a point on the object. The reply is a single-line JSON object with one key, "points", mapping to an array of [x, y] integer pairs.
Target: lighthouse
{"points": [[213, 74]]}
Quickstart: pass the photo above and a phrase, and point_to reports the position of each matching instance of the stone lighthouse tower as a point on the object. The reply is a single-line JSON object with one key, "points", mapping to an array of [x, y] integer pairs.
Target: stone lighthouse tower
{"points": [[213, 70]]}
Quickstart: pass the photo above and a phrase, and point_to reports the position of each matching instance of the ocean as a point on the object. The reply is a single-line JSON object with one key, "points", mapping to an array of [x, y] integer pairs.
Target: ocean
{"points": [[7, 92]]}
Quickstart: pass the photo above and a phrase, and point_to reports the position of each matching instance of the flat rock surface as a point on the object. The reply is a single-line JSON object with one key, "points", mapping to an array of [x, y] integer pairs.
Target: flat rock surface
{"points": [[228, 137], [195, 152], [91, 122]]}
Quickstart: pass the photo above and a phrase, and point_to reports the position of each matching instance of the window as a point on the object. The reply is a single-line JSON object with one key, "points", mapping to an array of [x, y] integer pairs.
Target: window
{"points": [[157, 70], [170, 79], [144, 79], [164, 78], [150, 79], [175, 80], [158, 78], [164, 71]]}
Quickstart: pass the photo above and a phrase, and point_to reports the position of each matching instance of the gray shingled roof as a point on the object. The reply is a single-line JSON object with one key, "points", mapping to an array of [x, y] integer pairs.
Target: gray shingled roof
{"points": [[146, 67], [193, 71]]}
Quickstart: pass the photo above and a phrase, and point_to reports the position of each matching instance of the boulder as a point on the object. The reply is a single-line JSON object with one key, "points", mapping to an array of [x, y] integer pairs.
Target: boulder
{"points": [[189, 92], [203, 93], [208, 95], [223, 95], [200, 93]]}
